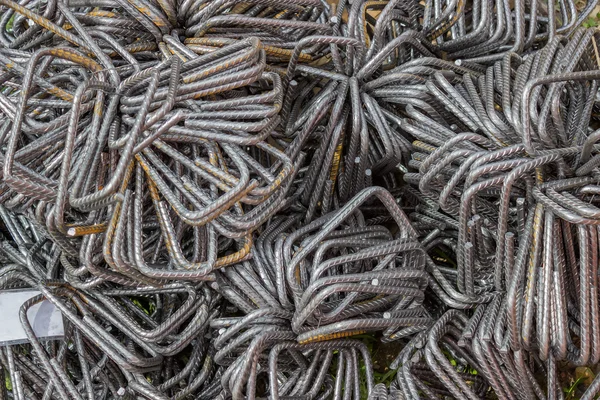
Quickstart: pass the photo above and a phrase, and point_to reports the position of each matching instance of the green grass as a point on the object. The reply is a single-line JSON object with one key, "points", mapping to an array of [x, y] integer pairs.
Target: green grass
{"points": [[592, 21], [10, 23], [571, 390], [144, 304]]}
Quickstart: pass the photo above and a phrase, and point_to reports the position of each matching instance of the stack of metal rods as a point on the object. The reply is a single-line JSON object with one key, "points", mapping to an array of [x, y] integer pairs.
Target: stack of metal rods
{"points": [[236, 200]]}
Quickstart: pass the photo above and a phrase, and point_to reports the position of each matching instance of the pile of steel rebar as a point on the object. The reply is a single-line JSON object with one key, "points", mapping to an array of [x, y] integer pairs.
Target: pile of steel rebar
{"points": [[225, 199]]}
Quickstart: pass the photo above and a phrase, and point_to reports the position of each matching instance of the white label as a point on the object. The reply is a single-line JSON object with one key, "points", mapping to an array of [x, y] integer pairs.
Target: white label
{"points": [[45, 319]]}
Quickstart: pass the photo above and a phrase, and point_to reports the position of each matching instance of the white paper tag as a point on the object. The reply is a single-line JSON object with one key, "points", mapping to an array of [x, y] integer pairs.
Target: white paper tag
{"points": [[45, 319]]}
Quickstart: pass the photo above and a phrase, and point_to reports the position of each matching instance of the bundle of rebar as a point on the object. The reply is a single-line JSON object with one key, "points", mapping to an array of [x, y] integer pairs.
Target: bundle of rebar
{"points": [[235, 200]]}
